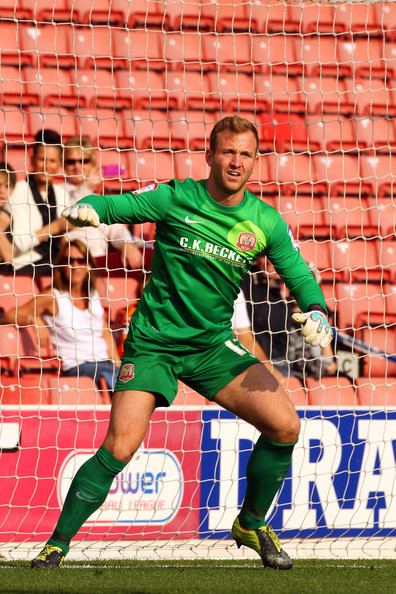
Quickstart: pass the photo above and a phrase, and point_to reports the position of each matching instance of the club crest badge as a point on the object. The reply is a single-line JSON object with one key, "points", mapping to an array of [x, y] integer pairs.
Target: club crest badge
{"points": [[246, 241], [127, 372]]}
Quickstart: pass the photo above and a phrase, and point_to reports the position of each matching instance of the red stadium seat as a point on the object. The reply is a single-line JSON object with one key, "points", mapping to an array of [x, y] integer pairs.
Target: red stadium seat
{"points": [[356, 260], [37, 354], [191, 164], [12, 87], [190, 130], [50, 87], [74, 390], [226, 15], [379, 339], [48, 10], [375, 134], [184, 51], [296, 391], [59, 119], [317, 253], [10, 350], [134, 15], [390, 297], [271, 17], [181, 16], [387, 258], [47, 45], [294, 174], [314, 17], [228, 52], [190, 90], [379, 172], [330, 133], [13, 126], [93, 47], [118, 294], [16, 291], [371, 97], [278, 93], [148, 130], [304, 215], [276, 54], [356, 17], [331, 391], [359, 304], [326, 95], [290, 132], [376, 391], [140, 89], [235, 91], [114, 168], [147, 167], [10, 50], [140, 49], [12, 9], [348, 217], [103, 126], [383, 216], [362, 57], [99, 88], [24, 389], [319, 56], [386, 18], [340, 172]]}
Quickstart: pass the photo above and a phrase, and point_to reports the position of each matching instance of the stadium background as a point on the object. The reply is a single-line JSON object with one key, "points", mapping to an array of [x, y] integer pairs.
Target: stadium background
{"points": [[146, 80]]}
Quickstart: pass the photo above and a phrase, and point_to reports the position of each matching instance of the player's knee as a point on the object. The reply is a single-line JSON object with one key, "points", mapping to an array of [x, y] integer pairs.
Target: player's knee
{"points": [[289, 431], [122, 451]]}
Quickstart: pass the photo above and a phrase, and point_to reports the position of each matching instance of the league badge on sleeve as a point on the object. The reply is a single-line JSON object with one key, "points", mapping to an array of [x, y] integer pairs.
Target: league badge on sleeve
{"points": [[295, 243], [149, 188]]}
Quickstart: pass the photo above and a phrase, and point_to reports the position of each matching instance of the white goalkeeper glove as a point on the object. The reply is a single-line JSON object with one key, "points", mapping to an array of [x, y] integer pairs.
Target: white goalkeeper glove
{"points": [[81, 215], [315, 328]]}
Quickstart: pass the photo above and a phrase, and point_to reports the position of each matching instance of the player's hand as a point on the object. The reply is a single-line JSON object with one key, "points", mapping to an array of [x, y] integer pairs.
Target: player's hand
{"points": [[81, 215], [315, 328]]}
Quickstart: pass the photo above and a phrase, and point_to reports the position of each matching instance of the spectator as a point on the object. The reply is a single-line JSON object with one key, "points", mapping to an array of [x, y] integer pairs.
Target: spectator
{"points": [[70, 314], [7, 184], [36, 206], [82, 176], [274, 328]]}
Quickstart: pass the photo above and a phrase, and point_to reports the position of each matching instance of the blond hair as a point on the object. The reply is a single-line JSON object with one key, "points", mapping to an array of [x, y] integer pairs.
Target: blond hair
{"points": [[234, 124]]}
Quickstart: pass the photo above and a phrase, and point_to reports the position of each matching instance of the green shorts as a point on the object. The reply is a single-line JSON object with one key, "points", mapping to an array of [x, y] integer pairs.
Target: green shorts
{"points": [[153, 368]]}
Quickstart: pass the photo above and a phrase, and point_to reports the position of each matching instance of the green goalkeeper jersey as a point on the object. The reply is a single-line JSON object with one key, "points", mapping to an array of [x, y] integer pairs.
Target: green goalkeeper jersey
{"points": [[202, 252]]}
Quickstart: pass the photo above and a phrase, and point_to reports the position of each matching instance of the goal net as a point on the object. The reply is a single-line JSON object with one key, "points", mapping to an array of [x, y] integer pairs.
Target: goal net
{"points": [[133, 89]]}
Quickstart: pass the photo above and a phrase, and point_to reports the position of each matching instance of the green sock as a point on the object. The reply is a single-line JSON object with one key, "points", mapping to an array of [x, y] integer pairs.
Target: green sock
{"points": [[267, 467], [87, 492]]}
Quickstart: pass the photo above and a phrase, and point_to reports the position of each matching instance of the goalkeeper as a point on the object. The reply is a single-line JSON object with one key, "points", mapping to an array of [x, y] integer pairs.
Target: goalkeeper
{"points": [[209, 233]]}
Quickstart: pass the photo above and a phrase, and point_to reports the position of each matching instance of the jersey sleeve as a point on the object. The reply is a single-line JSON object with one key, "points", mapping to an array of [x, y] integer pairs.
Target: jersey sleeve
{"points": [[285, 255], [147, 204]]}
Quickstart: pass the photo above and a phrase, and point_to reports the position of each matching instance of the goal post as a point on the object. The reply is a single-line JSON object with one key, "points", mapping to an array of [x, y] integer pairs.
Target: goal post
{"points": [[144, 82]]}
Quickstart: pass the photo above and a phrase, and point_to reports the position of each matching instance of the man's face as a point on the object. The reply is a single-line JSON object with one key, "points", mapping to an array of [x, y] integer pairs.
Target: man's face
{"points": [[78, 165], [233, 160], [46, 162]]}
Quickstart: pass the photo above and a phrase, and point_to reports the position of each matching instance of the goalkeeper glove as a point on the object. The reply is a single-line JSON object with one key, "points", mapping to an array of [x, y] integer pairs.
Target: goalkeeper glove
{"points": [[315, 328], [81, 215]]}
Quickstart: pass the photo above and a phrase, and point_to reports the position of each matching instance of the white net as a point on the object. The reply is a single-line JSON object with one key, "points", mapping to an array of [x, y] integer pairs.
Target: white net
{"points": [[133, 89]]}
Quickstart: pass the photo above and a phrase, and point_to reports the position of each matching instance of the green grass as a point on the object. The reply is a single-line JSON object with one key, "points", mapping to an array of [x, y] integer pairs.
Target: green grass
{"points": [[203, 577]]}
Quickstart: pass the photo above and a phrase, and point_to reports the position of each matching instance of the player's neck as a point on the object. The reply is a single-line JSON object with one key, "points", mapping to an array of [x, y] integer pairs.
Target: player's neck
{"points": [[221, 196]]}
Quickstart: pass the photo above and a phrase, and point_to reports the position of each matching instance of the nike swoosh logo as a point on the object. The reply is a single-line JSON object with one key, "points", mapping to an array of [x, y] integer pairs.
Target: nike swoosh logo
{"points": [[192, 221], [84, 498]]}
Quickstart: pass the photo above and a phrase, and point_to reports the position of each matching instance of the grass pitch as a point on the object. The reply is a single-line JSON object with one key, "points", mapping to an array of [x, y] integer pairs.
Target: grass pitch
{"points": [[201, 577]]}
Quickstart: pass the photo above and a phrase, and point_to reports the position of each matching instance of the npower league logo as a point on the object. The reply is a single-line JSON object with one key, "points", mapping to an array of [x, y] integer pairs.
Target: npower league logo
{"points": [[148, 491]]}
